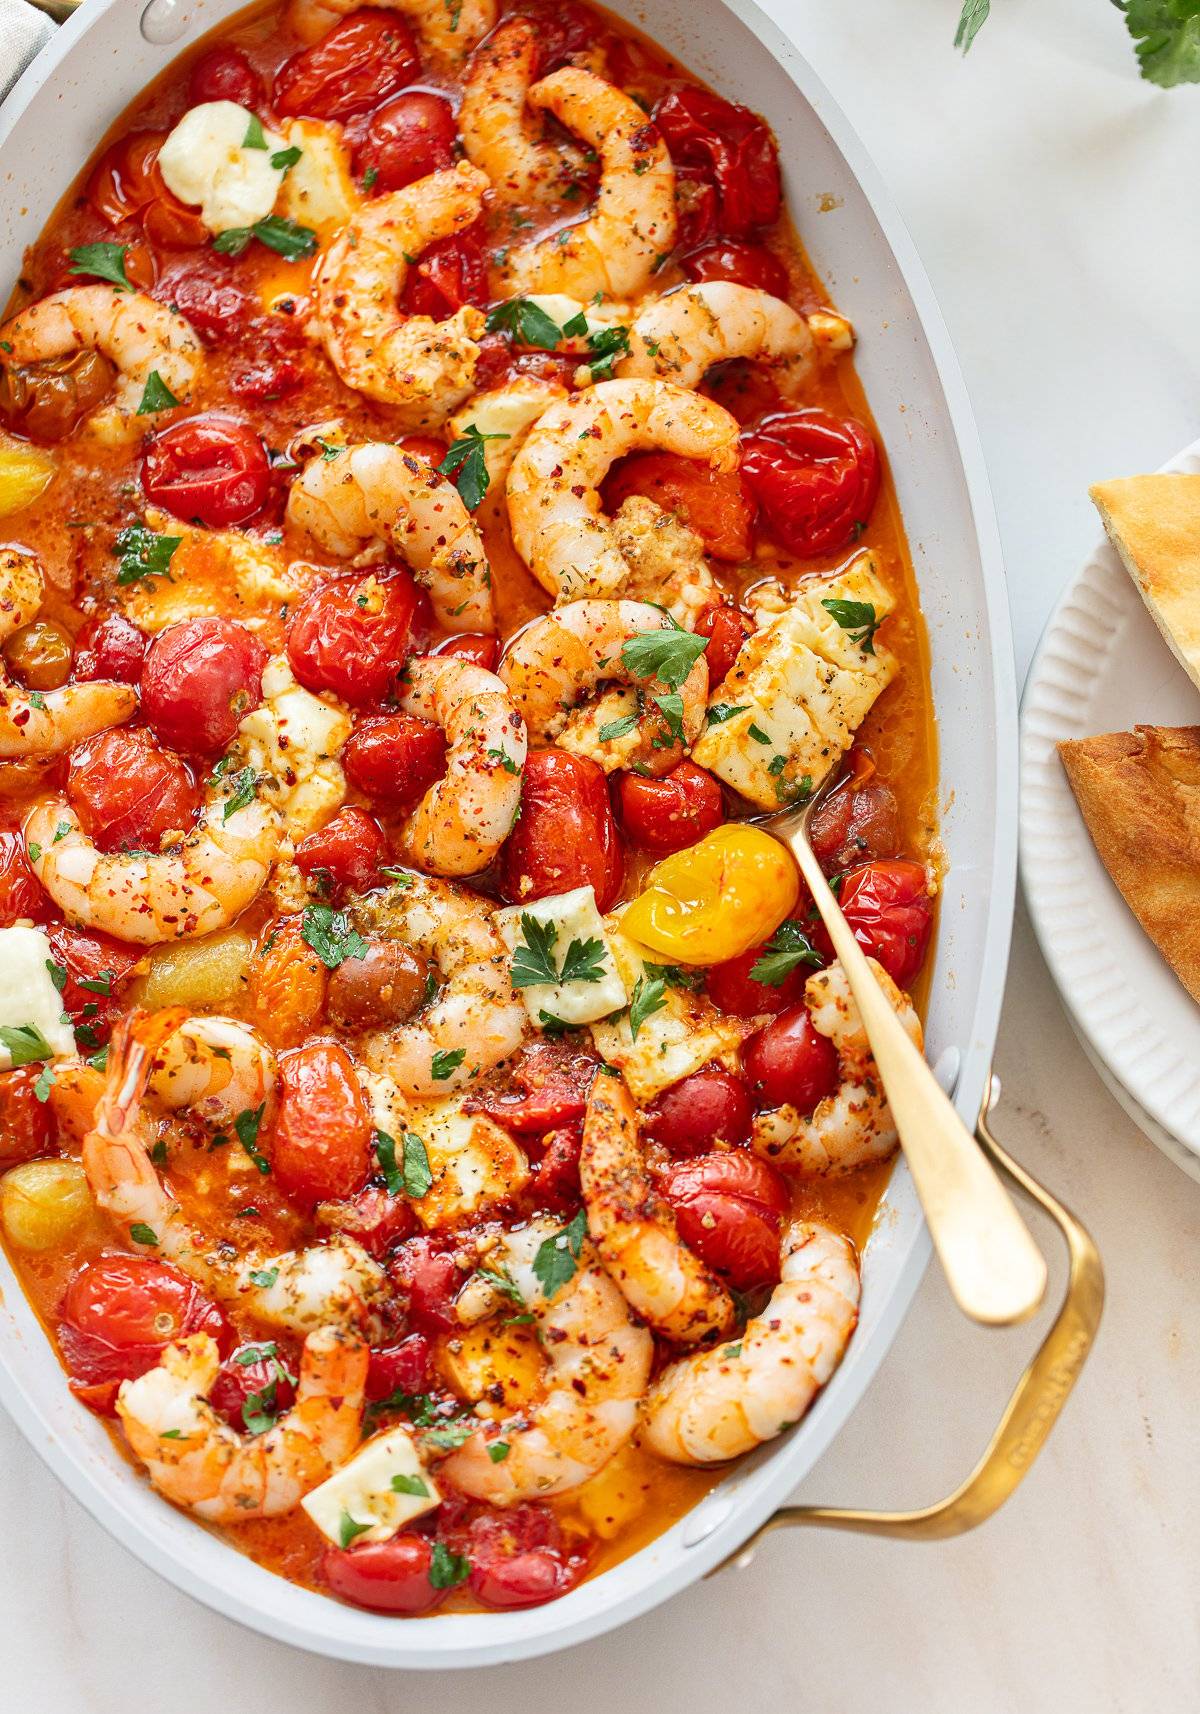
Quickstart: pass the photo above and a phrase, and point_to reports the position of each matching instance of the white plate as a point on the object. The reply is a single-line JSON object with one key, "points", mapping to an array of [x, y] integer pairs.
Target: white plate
{"points": [[1102, 666]]}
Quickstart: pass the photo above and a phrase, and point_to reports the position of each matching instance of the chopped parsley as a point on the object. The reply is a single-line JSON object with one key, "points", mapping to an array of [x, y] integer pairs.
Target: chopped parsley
{"points": [[503, 760], [254, 138], [331, 936], [349, 1529], [527, 322], [667, 655], [101, 262], [264, 1277], [25, 1043], [241, 795], [283, 159], [467, 458], [788, 947], [449, 1436], [406, 1174], [649, 996], [606, 345], [157, 396], [857, 617], [446, 1062], [45, 1082], [758, 735], [285, 237], [402, 1484], [534, 965], [143, 1234], [498, 1451], [246, 1127], [618, 728], [556, 1258], [142, 552], [446, 1569], [502, 1281]]}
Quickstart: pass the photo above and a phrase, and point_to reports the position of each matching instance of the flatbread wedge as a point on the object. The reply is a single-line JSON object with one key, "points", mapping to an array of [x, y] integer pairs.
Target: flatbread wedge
{"points": [[1139, 793], [1154, 524]]}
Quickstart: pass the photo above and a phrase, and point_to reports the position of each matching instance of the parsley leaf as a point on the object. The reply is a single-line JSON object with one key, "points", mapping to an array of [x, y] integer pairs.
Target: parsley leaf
{"points": [[446, 1569], [282, 159], [258, 1409], [417, 1175], [25, 1043], [142, 553], [254, 138], [264, 1277], [527, 322], [45, 1082], [385, 1154], [498, 1451], [722, 711], [606, 345], [649, 996], [856, 617], [402, 1484], [667, 655], [446, 1062], [676, 976], [157, 396], [533, 965], [972, 19], [787, 947], [101, 262], [554, 1263], [143, 1234], [467, 457], [502, 1281], [349, 1529], [241, 795], [246, 1127], [448, 1436], [285, 237], [330, 935], [583, 961], [670, 707], [618, 728], [1166, 37]]}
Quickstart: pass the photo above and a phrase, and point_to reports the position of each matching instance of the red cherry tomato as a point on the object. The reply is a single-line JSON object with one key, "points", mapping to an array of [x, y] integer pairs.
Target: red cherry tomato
{"points": [[358, 64], [788, 1060], [406, 1367], [393, 758], [97, 968], [21, 893], [667, 814], [201, 676], [727, 627], [127, 185], [731, 986], [431, 1279], [551, 1083], [272, 366], [729, 145], [118, 1316], [563, 30], [696, 210], [449, 274], [888, 906], [254, 1383], [376, 1218], [519, 1557], [386, 1576], [26, 1124], [322, 1143], [210, 470], [729, 1208], [350, 635], [855, 825], [407, 139], [815, 477], [349, 849], [205, 291], [128, 791], [555, 1182], [474, 646], [566, 836], [742, 264], [713, 502], [224, 74], [109, 648], [710, 1106]]}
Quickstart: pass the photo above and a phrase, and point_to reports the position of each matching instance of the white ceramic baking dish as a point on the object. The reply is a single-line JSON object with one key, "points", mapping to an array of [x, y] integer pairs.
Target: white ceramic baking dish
{"points": [[100, 60]]}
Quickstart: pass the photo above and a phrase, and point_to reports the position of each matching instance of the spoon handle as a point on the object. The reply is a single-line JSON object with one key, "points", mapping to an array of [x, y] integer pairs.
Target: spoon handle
{"points": [[995, 1271]]}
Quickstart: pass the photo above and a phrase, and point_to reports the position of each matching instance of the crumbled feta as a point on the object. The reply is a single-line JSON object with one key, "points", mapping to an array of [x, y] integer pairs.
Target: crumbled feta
{"points": [[474, 1162], [205, 162], [296, 738], [363, 1490], [579, 941], [28, 997]]}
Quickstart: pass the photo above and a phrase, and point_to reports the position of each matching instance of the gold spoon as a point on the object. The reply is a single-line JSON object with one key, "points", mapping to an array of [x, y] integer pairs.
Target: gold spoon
{"points": [[997, 1274]]}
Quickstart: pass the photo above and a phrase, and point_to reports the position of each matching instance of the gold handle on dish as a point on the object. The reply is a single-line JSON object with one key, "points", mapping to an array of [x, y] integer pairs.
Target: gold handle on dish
{"points": [[1028, 1417]]}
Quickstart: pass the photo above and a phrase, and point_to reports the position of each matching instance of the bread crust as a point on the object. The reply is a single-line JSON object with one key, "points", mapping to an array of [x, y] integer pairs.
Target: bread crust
{"points": [[1154, 524]]}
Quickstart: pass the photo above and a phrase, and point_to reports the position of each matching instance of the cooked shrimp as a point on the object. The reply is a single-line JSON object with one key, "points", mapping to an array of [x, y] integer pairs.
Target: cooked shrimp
{"points": [[137, 334], [554, 508], [465, 817], [500, 134], [557, 660], [633, 1227], [448, 31], [597, 1362], [374, 492], [200, 883], [679, 337], [217, 1067], [853, 1125], [299, 1289], [198, 1461], [47, 722], [421, 367], [616, 248], [718, 1404], [504, 416]]}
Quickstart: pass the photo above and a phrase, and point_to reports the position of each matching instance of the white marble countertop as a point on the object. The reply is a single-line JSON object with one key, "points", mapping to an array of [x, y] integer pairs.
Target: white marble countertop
{"points": [[1051, 194]]}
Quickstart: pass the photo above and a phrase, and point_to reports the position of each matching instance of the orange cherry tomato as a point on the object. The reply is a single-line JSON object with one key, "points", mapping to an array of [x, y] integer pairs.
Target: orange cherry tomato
{"points": [[127, 185], [322, 1143]]}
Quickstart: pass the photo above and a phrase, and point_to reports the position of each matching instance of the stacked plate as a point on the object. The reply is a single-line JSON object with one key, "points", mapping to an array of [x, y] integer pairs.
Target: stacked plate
{"points": [[1102, 666]]}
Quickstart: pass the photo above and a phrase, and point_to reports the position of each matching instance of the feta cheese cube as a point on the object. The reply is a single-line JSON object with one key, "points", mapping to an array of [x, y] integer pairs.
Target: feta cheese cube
{"points": [[474, 1162], [296, 737], [206, 162], [365, 1489], [28, 997], [577, 926]]}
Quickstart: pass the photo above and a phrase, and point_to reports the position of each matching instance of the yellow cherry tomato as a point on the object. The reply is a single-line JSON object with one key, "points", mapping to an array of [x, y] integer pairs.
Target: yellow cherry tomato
{"points": [[717, 898]]}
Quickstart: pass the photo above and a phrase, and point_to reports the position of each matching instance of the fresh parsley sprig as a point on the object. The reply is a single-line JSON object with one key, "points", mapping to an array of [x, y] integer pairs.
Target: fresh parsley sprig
{"points": [[857, 617], [468, 459], [788, 947], [534, 966], [667, 655]]}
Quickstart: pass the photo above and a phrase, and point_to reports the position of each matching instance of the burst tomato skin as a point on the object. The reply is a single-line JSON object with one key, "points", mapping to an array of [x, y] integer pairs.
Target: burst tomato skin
{"points": [[21, 893], [355, 66], [354, 650], [406, 1367], [551, 1089], [245, 1374], [450, 273], [321, 1149], [200, 677], [431, 1279], [888, 906], [224, 74], [393, 758], [789, 1061], [518, 1556], [731, 987], [349, 849], [566, 836], [526, 1580], [128, 791], [714, 503], [555, 1182], [814, 476], [385, 1576], [729, 1208], [109, 648], [727, 627], [97, 968], [667, 814], [408, 138], [205, 291], [288, 984], [374, 1217], [475, 646], [856, 825], [26, 1124], [731, 147], [710, 1106], [740, 264], [211, 470], [127, 185]]}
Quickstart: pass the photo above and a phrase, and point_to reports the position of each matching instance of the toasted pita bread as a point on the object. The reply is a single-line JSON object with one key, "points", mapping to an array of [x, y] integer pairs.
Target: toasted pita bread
{"points": [[1154, 524], [1139, 793]]}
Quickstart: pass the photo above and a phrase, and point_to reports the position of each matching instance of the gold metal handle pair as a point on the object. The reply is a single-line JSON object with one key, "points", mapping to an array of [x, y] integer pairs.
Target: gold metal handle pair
{"points": [[1030, 1414]]}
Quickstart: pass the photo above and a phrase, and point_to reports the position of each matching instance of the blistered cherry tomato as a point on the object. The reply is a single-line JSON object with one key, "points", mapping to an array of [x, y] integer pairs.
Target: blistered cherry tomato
{"points": [[128, 791], [696, 210], [815, 477], [714, 503], [322, 1143], [550, 1088], [205, 291], [127, 185], [406, 1367], [888, 906], [729, 1208], [474, 646], [731, 987], [349, 849], [287, 983], [566, 836], [555, 1182], [201, 676], [667, 814], [350, 635], [790, 1061], [26, 1124], [727, 627], [729, 145], [448, 274], [855, 825], [741, 264], [354, 67], [254, 1385], [118, 1316], [407, 139], [710, 1106], [716, 898], [224, 74], [386, 1576], [431, 1279], [210, 470], [97, 969], [110, 648], [21, 893], [563, 29], [519, 1557], [374, 1218], [393, 758]]}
